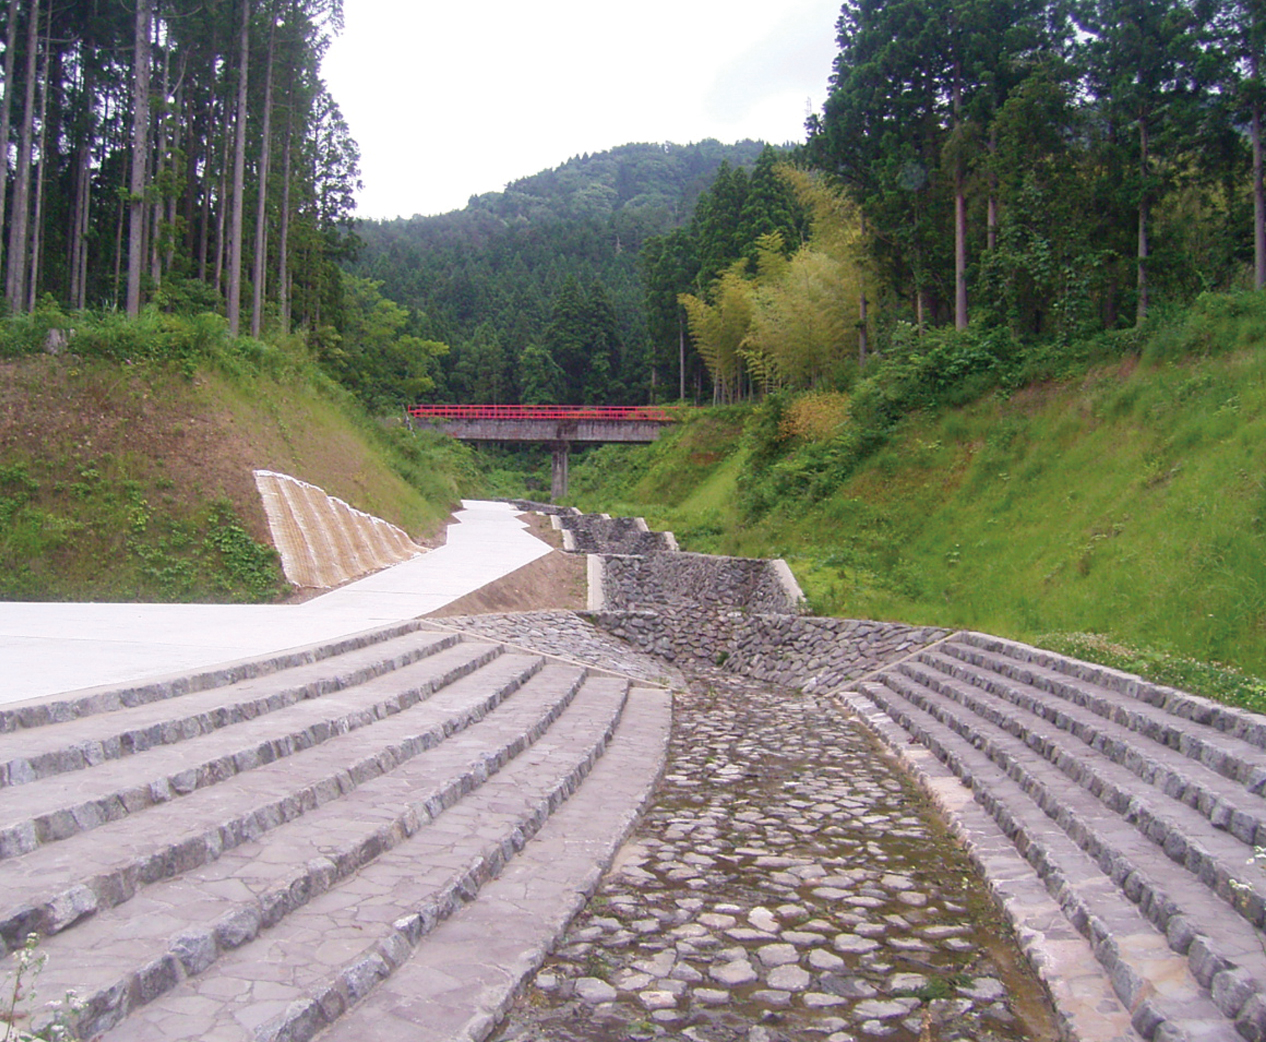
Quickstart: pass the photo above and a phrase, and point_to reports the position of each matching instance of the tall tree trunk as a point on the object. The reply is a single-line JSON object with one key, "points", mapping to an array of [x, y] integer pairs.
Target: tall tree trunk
{"points": [[140, 152], [160, 158], [991, 217], [169, 254], [863, 338], [960, 207], [19, 228], [283, 243], [204, 226], [83, 161], [1259, 197], [258, 275], [681, 353], [193, 183], [37, 221], [239, 177], [222, 209], [79, 226], [6, 105], [1141, 312]]}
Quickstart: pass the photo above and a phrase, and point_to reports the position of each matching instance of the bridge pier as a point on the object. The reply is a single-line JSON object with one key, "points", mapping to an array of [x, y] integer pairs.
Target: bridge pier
{"points": [[558, 475]]}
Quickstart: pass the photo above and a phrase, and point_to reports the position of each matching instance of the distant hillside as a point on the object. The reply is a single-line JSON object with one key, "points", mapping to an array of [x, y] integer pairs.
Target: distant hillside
{"points": [[486, 279]]}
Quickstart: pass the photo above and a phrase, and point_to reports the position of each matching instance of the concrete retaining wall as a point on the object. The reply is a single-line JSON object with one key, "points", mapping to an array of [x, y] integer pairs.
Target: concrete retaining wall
{"points": [[324, 542]]}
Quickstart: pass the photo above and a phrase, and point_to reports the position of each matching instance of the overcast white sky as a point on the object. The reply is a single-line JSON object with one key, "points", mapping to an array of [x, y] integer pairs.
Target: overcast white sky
{"points": [[453, 99]]}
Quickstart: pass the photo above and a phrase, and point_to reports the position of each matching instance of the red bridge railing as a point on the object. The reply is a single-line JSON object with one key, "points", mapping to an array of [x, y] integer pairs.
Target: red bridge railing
{"points": [[642, 413]]}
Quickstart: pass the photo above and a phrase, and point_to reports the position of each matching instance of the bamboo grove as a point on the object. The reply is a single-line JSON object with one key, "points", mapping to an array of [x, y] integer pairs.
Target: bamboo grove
{"points": [[177, 152]]}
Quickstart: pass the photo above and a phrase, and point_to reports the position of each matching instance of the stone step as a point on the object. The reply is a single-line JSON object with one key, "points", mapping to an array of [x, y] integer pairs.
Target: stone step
{"points": [[462, 980], [289, 980], [1161, 712], [1194, 824], [56, 885], [33, 753], [1229, 805], [1180, 881], [64, 805], [1153, 982], [1085, 1003], [38, 712]]}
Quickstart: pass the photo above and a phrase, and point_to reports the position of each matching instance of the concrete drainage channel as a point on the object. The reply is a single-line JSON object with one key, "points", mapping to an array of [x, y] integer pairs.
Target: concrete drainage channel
{"points": [[387, 837]]}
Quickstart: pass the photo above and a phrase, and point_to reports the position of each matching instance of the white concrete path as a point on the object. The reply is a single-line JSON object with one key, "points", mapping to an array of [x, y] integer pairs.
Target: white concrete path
{"points": [[50, 649]]}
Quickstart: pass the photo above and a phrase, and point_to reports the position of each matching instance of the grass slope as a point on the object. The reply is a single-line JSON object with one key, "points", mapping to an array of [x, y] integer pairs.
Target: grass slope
{"points": [[1129, 501], [132, 480]]}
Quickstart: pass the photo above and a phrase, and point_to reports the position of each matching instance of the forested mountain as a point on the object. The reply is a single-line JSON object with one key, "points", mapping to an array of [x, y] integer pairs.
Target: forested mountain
{"points": [[177, 152], [536, 289]]}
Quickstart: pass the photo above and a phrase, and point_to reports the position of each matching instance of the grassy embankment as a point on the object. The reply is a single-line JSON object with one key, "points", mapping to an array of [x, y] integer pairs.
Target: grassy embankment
{"points": [[126, 459], [1108, 501]]}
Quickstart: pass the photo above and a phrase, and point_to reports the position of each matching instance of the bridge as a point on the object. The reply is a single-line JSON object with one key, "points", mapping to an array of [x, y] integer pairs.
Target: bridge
{"points": [[560, 426]]}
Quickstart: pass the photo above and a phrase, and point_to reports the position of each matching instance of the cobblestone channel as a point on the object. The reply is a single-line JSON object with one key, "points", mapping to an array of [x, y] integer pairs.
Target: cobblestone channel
{"points": [[788, 883]]}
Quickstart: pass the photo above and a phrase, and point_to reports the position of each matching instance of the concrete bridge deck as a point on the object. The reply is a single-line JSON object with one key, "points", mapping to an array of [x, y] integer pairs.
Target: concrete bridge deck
{"points": [[559, 426]]}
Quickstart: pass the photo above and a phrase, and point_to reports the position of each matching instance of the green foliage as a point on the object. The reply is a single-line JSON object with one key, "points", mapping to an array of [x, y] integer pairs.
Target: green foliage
{"points": [[57, 531], [181, 341], [373, 356], [1212, 679], [497, 271], [246, 564], [1123, 498], [88, 505]]}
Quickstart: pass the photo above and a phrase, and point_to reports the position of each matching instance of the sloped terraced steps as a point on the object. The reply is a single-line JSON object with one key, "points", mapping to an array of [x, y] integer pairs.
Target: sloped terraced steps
{"points": [[63, 805], [459, 984], [303, 972], [33, 752], [311, 792], [1138, 806], [276, 865], [53, 886]]}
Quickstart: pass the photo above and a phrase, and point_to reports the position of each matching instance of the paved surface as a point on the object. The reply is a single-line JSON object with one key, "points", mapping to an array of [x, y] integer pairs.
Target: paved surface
{"points": [[249, 859], [53, 648], [788, 883]]}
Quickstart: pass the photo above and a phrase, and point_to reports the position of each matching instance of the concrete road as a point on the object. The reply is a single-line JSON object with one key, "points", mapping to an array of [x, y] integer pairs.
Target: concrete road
{"points": [[48, 649]]}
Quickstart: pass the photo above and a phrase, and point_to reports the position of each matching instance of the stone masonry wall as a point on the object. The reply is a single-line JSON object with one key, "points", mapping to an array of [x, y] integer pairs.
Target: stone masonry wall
{"points": [[600, 534], [684, 579], [790, 650]]}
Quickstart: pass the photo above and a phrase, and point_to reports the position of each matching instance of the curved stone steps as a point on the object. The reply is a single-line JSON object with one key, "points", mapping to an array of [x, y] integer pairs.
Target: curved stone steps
{"points": [[44, 750], [1160, 712], [1179, 831], [1227, 804], [292, 979], [1089, 901], [56, 885], [66, 804], [38, 712], [318, 832], [1131, 859], [1137, 805], [460, 983]]}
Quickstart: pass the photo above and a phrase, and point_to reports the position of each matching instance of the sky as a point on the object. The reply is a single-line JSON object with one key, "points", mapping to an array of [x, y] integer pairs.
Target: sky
{"points": [[454, 99]]}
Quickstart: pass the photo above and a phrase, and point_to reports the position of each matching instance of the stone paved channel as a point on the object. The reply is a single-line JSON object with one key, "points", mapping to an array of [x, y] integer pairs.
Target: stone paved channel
{"points": [[788, 883]]}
